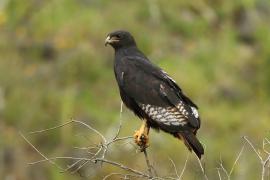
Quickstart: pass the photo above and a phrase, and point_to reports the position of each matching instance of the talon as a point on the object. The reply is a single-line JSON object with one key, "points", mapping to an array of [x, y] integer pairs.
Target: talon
{"points": [[141, 139]]}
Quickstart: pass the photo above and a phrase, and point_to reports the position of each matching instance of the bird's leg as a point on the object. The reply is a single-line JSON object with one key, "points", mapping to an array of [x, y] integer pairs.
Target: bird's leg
{"points": [[141, 136]]}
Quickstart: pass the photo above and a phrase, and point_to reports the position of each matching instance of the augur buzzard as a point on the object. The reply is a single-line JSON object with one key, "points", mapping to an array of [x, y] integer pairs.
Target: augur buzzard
{"points": [[153, 95]]}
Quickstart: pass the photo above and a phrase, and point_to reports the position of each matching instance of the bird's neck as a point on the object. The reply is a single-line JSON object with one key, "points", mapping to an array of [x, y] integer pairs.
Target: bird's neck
{"points": [[127, 51]]}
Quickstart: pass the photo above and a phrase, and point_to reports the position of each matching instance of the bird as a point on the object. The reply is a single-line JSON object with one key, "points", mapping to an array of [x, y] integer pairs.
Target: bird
{"points": [[152, 95]]}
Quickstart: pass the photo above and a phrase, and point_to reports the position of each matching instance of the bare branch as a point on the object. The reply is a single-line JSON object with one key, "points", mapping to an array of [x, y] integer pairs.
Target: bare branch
{"points": [[184, 168], [120, 121], [202, 168], [40, 153], [251, 145], [118, 130], [236, 160], [94, 159], [59, 157], [265, 142], [223, 168], [112, 174], [98, 151], [70, 122], [52, 128], [72, 165], [219, 175], [175, 169], [122, 167], [149, 166], [262, 161]]}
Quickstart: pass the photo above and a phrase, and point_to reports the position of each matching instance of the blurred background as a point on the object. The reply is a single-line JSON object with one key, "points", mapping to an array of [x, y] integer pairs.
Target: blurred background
{"points": [[54, 66]]}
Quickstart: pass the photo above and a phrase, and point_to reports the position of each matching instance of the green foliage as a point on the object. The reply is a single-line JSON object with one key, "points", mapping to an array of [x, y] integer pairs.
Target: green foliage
{"points": [[54, 66]]}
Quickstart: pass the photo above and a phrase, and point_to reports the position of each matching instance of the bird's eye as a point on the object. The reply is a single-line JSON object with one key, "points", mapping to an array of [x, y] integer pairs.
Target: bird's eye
{"points": [[118, 36]]}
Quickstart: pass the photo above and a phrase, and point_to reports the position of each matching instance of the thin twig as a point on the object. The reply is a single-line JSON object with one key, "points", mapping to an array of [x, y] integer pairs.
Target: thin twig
{"points": [[80, 166], [236, 160], [122, 167], [251, 145], [219, 175], [119, 139], [201, 166], [40, 153], [148, 163], [59, 157], [184, 168], [112, 174], [223, 168], [94, 161], [265, 142], [262, 161], [70, 122], [175, 169], [52, 128], [98, 152], [120, 121], [80, 159], [72, 165], [118, 130]]}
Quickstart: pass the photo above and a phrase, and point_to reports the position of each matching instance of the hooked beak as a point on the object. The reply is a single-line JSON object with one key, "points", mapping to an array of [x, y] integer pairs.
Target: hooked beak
{"points": [[110, 40]]}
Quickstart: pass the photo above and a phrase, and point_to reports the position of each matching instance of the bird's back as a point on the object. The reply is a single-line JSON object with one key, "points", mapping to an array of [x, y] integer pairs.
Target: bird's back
{"points": [[152, 94]]}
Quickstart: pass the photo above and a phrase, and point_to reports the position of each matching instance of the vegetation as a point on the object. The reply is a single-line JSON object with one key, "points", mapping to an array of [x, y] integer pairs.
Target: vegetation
{"points": [[54, 66]]}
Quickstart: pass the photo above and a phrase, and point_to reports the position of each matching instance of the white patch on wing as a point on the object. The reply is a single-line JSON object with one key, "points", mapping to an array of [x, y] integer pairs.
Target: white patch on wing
{"points": [[165, 115], [182, 109], [195, 112], [166, 74]]}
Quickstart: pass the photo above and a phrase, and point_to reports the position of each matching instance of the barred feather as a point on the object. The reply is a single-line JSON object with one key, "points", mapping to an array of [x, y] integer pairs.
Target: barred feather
{"points": [[166, 115]]}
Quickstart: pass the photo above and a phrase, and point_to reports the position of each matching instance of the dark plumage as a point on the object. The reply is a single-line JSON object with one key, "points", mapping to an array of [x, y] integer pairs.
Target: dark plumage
{"points": [[152, 94]]}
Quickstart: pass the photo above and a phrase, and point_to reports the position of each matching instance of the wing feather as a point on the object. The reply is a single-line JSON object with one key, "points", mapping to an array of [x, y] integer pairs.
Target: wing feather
{"points": [[149, 85]]}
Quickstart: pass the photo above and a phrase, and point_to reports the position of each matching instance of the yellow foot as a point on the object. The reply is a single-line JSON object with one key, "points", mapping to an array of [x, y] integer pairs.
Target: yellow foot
{"points": [[141, 139]]}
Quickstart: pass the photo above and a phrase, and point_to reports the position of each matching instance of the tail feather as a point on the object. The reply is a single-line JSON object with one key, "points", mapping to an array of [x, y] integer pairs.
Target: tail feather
{"points": [[192, 143]]}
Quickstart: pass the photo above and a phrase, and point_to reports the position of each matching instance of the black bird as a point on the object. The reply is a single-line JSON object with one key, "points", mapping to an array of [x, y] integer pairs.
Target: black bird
{"points": [[153, 95]]}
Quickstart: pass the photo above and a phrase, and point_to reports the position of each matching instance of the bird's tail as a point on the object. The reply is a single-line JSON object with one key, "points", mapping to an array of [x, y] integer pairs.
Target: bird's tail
{"points": [[192, 143]]}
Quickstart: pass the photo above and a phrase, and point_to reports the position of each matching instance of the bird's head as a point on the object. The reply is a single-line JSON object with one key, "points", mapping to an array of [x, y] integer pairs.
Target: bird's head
{"points": [[118, 39]]}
